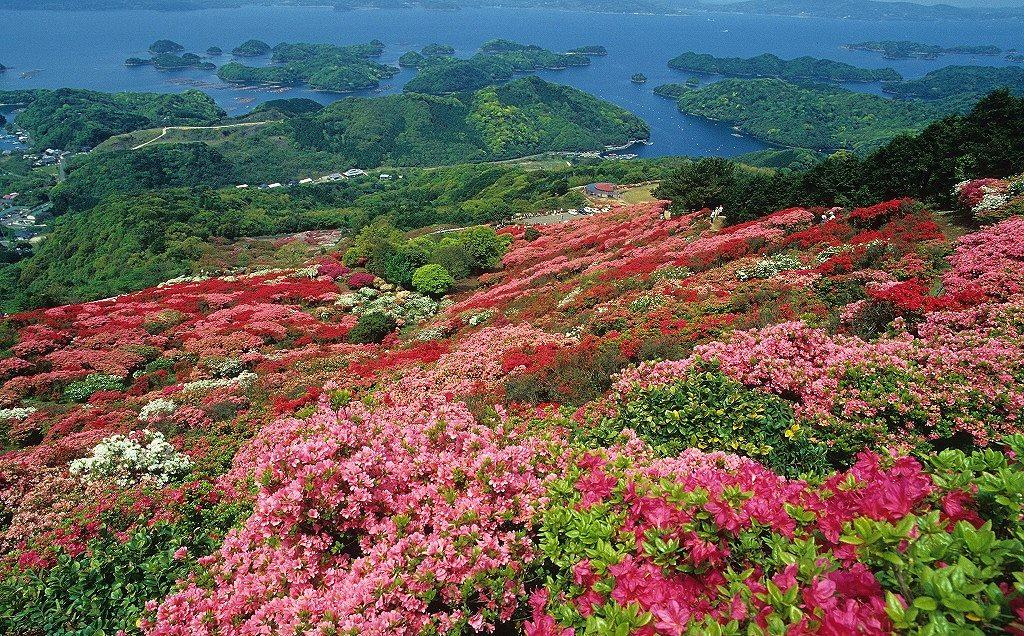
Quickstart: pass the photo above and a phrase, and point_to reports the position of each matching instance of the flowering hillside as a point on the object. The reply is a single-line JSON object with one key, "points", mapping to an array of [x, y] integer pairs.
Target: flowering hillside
{"points": [[640, 423]]}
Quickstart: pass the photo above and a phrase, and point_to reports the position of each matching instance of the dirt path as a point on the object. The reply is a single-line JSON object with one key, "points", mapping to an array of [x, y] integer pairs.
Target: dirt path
{"points": [[170, 128]]}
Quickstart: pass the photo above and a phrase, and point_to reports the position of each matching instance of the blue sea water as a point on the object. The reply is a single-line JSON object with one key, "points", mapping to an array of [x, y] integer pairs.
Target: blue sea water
{"points": [[88, 49]]}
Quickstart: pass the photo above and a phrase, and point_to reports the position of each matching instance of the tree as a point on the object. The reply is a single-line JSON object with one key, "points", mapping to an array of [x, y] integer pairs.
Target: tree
{"points": [[432, 280], [707, 183]]}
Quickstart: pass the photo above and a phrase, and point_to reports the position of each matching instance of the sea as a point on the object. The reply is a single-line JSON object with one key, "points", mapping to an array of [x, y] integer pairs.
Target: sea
{"points": [[87, 49]]}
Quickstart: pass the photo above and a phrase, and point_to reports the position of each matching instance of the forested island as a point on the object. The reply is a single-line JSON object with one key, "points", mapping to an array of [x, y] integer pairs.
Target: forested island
{"points": [[819, 117], [906, 49], [166, 55], [768, 65], [496, 61], [251, 48], [165, 46], [959, 81], [325, 67]]}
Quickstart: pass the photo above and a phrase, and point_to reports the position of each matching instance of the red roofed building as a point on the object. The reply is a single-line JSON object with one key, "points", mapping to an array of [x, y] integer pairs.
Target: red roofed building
{"points": [[602, 190]]}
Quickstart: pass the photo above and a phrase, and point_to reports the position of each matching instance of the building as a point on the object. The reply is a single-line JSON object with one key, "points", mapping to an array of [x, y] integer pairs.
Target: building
{"points": [[602, 190], [305, 181], [355, 172]]}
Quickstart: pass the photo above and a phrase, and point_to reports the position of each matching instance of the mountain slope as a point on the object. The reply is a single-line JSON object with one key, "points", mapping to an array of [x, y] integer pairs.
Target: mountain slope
{"points": [[423, 483]]}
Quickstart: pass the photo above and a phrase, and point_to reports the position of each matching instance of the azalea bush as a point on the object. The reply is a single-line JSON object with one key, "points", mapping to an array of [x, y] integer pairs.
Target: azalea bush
{"points": [[129, 459], [711, 543]]}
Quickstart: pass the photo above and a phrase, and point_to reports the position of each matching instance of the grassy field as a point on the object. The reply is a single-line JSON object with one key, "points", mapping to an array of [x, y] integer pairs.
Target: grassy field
{"points": [[640, 194]]}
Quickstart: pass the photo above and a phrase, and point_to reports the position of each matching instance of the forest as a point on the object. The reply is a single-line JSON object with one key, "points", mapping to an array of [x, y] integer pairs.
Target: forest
{"points": [[75, 119]]}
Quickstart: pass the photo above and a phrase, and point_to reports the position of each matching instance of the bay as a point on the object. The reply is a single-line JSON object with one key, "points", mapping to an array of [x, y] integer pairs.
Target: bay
{"points": [[87, 49]]}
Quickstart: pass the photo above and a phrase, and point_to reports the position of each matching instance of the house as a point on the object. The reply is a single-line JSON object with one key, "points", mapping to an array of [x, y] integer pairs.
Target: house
{"points": [[335, 176], [274, 185], [305, 181], [242, 186], [385, 177], [355, 172], [602, 190]]}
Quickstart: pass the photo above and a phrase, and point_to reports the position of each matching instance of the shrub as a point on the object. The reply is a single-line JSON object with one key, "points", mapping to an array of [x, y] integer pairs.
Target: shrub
{"points": [[707, 410], [82, 390], [432, 280], [125, 460], [372, 327], [770, 266], [104, 591], [361, 279]]}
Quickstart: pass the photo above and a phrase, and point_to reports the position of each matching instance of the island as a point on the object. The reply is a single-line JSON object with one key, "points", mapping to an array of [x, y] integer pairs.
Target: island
{"points": [[906, 49], [768, 65], [171, 62], [496, 61], [671, 91], [324, 67], [214, 51], [2, 68], [411, 59], [820, 117], [958, 82], [165, 46], [1015, 57], [590, 51], [251, 48], [638, 78], [434, 50]]}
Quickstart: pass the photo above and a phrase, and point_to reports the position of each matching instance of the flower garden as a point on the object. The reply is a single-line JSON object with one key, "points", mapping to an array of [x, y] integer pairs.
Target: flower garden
{"points": [[637, 424]]}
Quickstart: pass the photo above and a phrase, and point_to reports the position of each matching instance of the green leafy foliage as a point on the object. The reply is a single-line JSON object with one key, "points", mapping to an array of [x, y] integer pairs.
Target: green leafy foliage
{"points": [[496, 62], [709, 411], [105, 589], [81, 390], [373, 326], [955, 81], [251, 48], [386, 252], [432, 279]]}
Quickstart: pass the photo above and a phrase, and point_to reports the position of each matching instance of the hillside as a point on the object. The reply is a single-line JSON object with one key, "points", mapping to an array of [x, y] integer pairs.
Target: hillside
{"points": [[593, 409], [819, 116], [520, 118]]}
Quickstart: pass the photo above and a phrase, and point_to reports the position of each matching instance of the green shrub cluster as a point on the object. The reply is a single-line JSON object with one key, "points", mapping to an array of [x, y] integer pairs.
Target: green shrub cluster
{"points": [[709, 411], [432, 279], [82, 390], [372, 327]]}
